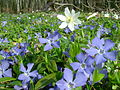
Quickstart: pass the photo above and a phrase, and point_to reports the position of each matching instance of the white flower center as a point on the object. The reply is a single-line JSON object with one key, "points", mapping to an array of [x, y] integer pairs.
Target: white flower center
{"points": [[50, 41], [101, 51], [71, 85], [69, 19], [83, 65], [26, 73]]}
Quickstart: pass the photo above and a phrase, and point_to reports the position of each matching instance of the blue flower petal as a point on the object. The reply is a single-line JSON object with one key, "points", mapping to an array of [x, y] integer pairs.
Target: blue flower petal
{"points": [[22, 77], [80, 79], [99, 34], [81, 57], [108, 44], [5, 64], [62, 84], [16, 87], [97, 42], [92, 51], [33, 73], [43, 40], [75, 65], [68, 75], [99, 59], [56, 44], [89, 70], [111, 55], [47, 47], [29, 65], [56, 37], [89, 61], [8, 73], [22, 68]]}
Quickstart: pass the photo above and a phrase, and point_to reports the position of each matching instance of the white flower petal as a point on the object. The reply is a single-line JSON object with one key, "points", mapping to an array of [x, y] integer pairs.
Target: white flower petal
{"points": [[61, 17], [77, 15], [63, 25], [67, 12], [71, 26], [77, 22], [73, 12]]}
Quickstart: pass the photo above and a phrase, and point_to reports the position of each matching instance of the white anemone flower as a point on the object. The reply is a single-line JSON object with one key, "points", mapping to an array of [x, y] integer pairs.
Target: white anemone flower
{"points": [[70, 19]]}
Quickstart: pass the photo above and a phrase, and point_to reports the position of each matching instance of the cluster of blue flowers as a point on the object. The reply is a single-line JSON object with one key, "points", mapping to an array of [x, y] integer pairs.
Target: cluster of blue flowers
{"points": [[87, 63]]}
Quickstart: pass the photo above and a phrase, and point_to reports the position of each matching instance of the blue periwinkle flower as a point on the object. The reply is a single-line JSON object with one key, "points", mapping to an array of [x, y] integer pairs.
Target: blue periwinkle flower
{"points": [[72, 37], [51, 41], [26, 76], [69, 81], [5, 71], [77, 26], [5, 40], [84, 64], [89, 26], [100, 49], [20, 49], [114, 26], [25, 31], [66, 53], [38, 35], [67, 30], [4, 23], [5, 54], [102, 30]]}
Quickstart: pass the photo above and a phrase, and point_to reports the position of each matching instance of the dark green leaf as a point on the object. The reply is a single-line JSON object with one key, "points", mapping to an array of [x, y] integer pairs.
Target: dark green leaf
{"points": [[6, 79], [15, 83], [45, 81], [6, 88], [31, 85]]}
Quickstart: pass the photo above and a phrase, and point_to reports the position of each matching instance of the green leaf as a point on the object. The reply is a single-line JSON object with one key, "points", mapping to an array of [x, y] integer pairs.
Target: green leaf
{"points": [[45, 81], [74, 49], [97, 76], [53, 65], [15, 83], [6, 88], [6, 79], [41, 67], [16, 69], [31, 85]]}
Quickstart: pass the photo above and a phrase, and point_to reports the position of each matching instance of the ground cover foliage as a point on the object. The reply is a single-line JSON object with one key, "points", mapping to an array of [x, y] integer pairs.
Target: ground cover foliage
{"points": [[36, 53]]}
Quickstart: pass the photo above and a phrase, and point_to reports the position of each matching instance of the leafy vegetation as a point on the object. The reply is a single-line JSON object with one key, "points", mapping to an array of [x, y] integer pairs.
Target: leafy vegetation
{"points": [[36, 54]]}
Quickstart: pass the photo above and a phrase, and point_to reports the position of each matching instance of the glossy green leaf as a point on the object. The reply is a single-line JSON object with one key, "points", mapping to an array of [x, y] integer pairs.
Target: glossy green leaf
{"points": [[97, 76], [6, 79], [45, 81]]}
